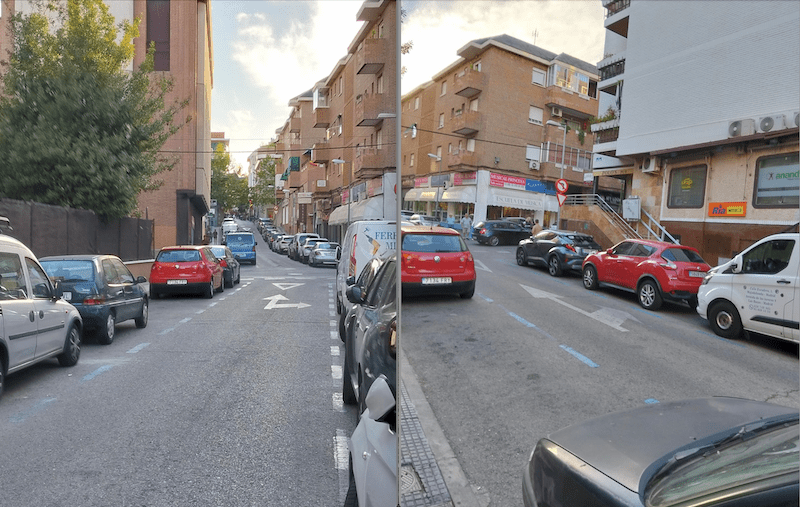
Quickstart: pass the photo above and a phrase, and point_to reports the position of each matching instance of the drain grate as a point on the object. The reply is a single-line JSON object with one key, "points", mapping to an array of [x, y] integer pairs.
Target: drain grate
{"points": [[409, 480]]}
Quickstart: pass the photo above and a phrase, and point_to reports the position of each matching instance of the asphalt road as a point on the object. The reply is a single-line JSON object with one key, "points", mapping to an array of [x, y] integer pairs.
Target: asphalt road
{"points": [[530, 354], [216, 402]]}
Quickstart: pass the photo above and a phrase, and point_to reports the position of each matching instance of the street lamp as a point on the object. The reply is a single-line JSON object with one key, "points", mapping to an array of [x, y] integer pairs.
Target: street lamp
{"points": [[340, 161], [438, 159], [563, 161]]}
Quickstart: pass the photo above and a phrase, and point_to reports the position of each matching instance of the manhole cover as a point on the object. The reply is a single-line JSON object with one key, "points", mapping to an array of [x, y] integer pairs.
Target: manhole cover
{"points": [[409, 480]]}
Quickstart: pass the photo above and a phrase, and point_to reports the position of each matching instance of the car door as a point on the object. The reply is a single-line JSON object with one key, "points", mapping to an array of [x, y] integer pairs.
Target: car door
{"points": [[17, 312], [541, 245], [132, 292], [628, 266], [114, 290], [50, 318], [613, 263], [379, 309], [518, 233]]}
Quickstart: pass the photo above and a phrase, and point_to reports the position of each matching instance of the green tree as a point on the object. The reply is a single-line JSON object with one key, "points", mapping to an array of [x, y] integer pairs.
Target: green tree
{"points": [[263, 192], [76, 128], [221, 179]]}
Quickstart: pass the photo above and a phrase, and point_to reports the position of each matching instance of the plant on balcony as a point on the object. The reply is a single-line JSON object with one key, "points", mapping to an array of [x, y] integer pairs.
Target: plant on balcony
{"points": [[611, 113]]}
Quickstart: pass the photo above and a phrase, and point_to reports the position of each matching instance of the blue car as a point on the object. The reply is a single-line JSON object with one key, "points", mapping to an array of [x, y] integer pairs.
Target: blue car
{"points": [[243, 246]]}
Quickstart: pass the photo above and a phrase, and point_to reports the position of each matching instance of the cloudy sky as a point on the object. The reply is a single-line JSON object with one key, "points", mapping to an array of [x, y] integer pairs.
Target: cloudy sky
{"points": [[267, 51]]}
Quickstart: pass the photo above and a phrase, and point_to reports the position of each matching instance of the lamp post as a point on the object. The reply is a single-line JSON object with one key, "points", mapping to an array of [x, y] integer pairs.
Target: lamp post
{"points": [[563, 160], [340, 161], [438, 159]]}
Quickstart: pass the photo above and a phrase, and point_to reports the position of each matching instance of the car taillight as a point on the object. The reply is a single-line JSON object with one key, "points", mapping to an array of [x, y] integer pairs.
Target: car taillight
{"points": [[94, 301], [570, 247], [483, 230], [223, 263]]}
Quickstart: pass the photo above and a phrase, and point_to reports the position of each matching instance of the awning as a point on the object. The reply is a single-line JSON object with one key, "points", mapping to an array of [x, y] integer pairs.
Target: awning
{"points": [[459, 194], [422, 194], [520, 199], [368, 209]]}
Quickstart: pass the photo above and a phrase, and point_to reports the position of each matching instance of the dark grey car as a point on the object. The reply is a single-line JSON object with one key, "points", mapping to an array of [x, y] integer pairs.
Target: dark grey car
{"points": [[721, 452], [231, 269], [558, 251]]}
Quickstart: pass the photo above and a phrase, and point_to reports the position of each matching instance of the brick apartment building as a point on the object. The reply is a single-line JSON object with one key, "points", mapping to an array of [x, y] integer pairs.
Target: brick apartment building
{"points": [[182, 34], [707, 126], [337, 149], [485, 135]]}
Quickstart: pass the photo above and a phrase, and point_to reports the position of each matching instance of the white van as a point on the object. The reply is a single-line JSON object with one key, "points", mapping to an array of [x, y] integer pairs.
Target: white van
{"points": [[756, 291], [363, 240]]}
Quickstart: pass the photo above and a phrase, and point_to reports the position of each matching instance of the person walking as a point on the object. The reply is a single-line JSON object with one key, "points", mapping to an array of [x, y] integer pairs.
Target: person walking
{"points": [[536, 229], [466, 225]]}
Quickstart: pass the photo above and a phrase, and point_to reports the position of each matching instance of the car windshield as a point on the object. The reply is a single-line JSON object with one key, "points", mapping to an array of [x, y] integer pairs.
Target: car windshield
{"points": [[178, 256], [219, 251], [771, 454], [70, 270], [682, 255], [240, 239], [438, 243]]}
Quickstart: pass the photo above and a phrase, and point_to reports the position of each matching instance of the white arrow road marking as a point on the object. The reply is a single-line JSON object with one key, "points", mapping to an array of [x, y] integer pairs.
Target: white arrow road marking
{"points": [[480, 265], [611, 318], [287, 286], [273, 303]]}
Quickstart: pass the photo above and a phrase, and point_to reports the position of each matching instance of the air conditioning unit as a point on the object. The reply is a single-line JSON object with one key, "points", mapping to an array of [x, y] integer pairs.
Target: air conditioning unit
{"points": [[771, 123], [556, 111], [746, 127], [533, 165], [651, 165], [796, 116]]}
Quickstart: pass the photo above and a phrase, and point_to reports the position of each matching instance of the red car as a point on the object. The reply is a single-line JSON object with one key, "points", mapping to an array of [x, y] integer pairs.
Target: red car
{"points": [[654, 270], [186, 269], [436, 260]]}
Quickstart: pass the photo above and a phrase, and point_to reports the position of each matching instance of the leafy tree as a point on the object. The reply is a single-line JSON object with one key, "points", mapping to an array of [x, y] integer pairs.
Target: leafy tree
{"points": [[263, 192], [221, 179], [76, 128]]}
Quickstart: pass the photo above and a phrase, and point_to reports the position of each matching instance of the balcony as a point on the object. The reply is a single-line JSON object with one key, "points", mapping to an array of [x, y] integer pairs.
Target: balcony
{"points": [[319, 152], [617, 17], [369, 107], [462, 159], [571, 104], [294, 124], [605, 137], [371, 162], [469, 83], [295, 180], [371, 55], [612, 71], [322, 117], [467, 123]]}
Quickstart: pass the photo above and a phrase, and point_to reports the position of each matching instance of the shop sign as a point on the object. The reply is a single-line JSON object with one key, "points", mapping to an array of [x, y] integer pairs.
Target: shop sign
{"points": [[375, 187], [727, 209], [517, 202], [303, 197], [504, 181], [535, 186], [421, 182], [465, 178]]}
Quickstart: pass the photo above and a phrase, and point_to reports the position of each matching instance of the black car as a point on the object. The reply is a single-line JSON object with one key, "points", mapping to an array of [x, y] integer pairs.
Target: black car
{"points": [[558, 251], [103, 290], [231, 269], [370, 341], [497, 232], [722, 452]]}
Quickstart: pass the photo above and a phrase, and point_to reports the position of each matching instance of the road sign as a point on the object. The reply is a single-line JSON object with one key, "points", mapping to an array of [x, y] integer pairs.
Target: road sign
{"points": [[561, 199], [562, 186]]}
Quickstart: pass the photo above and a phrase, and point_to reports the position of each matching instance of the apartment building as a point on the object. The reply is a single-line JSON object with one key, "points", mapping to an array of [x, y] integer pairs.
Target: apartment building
{"points": [[486, 135], [707, 126], [337, 146], [181, 32]]}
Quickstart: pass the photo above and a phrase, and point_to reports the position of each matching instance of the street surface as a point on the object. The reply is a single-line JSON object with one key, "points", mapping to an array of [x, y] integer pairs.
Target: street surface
{"points": [[530, 354], [234, 400]]}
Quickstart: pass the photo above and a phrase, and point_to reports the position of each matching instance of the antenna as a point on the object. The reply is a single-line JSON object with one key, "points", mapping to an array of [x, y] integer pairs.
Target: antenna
{"points": [[535, 34]]}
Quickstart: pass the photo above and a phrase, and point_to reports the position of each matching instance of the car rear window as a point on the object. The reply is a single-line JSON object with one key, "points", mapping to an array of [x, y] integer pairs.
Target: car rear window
{"points": [[70, 270], [240, 239], [219, 252], [682, 255], [178, 256], [439, 243], [580, 240]]}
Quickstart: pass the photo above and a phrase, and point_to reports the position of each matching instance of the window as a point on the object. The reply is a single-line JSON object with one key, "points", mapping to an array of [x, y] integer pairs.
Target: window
{"points": [[477, 66], [40, 283], [441, 120], [449, 147], [533, 152], [379, 139], [12, 281], [623, 248], [411, 160], [535, 115], [470, 144], [158, 32], [444, 87], [380, 83], [473, 105], [341, 87], [538, 77], [416, 103], [687, 187], [768, 258], [777, 182]]}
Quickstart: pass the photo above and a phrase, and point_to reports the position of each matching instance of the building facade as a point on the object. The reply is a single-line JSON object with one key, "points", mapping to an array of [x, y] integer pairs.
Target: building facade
{"points": [[714, 159]]}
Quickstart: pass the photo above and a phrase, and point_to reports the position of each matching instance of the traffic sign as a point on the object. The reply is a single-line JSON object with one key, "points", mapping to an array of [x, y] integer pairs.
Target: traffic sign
{"points": [[562, 186], [561, 199]]}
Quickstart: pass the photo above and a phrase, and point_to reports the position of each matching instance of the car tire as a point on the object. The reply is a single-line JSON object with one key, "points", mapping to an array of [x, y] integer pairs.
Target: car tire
{"points": [[222, 285], [554, 266], [494, 241], [228, 282], [649, 295], [154, 294], [348, 393], [209, 290], [342, 326], [141, 320], [469, 292], [725, 320], [238, 277], [72, 347], [590, 277], [311, 262], [2, 378], [692, 301], [522, 259], [105, 334], [351, 500]]}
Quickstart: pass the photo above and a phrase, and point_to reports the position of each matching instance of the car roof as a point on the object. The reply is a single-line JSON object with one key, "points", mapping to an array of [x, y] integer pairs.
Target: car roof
{"points": [[436, 229], [77, 257], [659, 244], [184, 247]]}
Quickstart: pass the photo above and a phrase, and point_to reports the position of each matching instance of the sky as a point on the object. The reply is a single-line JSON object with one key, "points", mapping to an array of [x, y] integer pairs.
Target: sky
{"points": [[267, 52]]}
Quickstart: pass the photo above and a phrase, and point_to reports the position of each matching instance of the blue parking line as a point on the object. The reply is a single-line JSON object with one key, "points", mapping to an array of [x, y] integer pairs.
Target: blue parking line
{"points": [[97, 372], [137, 348], [580, 356], [730, 342], [38, 407], [651, 401], [648, 312], [487, 299]]}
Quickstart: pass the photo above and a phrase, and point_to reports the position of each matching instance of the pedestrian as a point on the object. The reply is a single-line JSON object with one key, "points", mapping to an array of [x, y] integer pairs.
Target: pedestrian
{"points": [[536, 229], [466, 225], [469, 235], [215, 236]]}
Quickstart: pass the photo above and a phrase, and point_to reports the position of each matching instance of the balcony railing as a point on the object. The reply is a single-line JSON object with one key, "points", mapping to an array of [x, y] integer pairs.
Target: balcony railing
{"points": [[615, 7], [614, 69], [572, 157], [466, 124], [606, 136], [469, 83]]}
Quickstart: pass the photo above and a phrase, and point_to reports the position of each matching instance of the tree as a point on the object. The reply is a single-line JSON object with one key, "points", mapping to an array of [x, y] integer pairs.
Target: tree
{"points": [[220, 177], [76, 128], [263, 192]]}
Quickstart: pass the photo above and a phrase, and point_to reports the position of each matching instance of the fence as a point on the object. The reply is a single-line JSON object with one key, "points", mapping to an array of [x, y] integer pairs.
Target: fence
{"points": [[56, 230]]}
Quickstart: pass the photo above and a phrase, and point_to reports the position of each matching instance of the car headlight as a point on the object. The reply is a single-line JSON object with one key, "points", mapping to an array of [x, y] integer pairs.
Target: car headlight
{"points": [[706, 278]]}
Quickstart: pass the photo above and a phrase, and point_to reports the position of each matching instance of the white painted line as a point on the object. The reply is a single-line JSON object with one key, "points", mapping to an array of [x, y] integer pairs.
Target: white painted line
{"points": [[341, 451], [136, 349], [287, 286], [336, 372], [334, 335], [332, 323], [184, 321], [338, 402], [611, 320], [481, 266], [273, 303], [335, 350]]}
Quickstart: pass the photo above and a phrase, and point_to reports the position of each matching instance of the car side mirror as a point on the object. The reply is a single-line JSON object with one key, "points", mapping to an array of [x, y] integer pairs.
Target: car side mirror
{"points": [[338, 253], [380, 400], [58, 292], [354, 294], [738, 262], [141, 279]]}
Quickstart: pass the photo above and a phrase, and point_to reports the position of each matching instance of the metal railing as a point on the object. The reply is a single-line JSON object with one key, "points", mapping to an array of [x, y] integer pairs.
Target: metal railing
{"points": [[654, 229]]}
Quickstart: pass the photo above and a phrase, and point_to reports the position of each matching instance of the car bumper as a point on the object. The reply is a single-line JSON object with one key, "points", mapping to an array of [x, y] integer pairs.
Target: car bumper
{"points": [[94, 316], [187, 288], [455, 287]]}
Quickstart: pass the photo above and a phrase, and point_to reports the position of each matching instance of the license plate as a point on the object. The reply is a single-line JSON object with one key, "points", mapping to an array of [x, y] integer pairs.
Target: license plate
{"points": [[176, 282], [697, 274], [437, 280], [67, 296]]}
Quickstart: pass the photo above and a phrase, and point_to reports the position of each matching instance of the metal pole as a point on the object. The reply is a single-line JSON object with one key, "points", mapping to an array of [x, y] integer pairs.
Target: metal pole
{"points": [[563, 161]]}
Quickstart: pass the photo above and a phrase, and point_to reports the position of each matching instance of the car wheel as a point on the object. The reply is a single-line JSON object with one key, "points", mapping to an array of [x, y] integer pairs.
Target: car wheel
{"points": [[521, 257], [590, 277], [72, 347], [351, 500], [494, 241], [469, 293], [649, 295], [228, 282], [348, 393], [342, 328], [238, 276], [692, 301], [554, 266], [222, 285], [105, 334], [725, 320], [209, 291], [2, 378], [141, 320]]}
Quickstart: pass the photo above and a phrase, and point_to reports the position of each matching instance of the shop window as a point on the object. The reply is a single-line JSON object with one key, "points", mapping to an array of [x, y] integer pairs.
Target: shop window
{"points": [[777, 182], [687, 187]]}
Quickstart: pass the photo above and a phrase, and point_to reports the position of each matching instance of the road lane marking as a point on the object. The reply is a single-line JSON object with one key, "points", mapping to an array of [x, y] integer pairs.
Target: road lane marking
{"points": [[335, 350], [35, 409], [99, 371], [341, 458], [273, 303], [580, 356], [336, 372], [287, 286], [137, 348], [605, 316], [338, 402], [480, 265]]}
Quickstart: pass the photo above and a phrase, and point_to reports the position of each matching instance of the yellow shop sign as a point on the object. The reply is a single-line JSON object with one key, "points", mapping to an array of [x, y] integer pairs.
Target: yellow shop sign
{"points": [[727, 209]]}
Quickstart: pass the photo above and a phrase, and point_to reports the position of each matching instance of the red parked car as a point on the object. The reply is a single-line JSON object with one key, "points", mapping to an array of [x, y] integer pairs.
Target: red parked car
{"points": [[189, 269], [654, 270], [436, 260]]}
